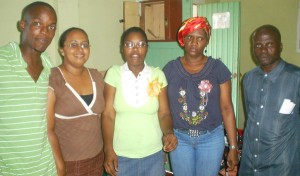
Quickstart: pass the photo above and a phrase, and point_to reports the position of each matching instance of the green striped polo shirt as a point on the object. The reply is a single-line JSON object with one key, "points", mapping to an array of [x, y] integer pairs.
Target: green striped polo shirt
{"points": [[24, 146]]}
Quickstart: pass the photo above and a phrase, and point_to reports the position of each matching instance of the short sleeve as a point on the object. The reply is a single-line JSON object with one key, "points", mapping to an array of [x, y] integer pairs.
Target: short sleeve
{"points": [[167, 69], [157, 72], [223, 72], [53, 78], [112, 75]]}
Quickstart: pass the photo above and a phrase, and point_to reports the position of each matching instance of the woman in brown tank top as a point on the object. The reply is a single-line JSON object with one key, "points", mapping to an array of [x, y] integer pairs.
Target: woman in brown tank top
{"points": [[75, 104]]}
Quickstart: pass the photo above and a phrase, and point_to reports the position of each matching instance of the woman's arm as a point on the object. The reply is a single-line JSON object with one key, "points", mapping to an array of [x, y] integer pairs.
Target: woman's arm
{"points": [[59, 161], [165, 121], [108, 125], [229, 122]]}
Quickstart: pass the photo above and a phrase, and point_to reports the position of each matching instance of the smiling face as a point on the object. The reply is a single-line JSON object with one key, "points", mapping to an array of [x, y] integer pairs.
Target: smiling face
{"points": [[76, 48], [38, 28], [134, 50], [195, 43]]}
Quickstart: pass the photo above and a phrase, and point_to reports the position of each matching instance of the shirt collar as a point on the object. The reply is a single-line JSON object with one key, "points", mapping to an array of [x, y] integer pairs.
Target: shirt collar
{"points": [[18, 54], [272, 75], [45, 60], [145, 71]]}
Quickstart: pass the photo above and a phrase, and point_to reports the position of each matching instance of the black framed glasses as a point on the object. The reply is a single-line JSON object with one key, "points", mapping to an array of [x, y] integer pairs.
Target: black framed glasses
{"points": [[140, 44]]}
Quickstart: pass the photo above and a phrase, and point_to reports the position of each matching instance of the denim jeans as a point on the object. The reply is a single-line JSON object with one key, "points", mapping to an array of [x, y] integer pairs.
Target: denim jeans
{"points": [[198, 156], [152, 165]]}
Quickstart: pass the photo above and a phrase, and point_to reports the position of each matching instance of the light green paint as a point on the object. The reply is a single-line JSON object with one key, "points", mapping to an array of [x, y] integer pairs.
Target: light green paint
{"points": [[225, 43]]}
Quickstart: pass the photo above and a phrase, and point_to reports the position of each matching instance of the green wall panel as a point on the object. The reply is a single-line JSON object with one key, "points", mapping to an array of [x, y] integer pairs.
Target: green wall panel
{"points": [[225, 42], [159, 53]]}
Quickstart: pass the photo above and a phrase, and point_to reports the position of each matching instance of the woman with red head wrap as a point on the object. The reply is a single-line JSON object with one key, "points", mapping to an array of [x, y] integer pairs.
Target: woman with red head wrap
{"points": [[191, 25], [199, 92]]}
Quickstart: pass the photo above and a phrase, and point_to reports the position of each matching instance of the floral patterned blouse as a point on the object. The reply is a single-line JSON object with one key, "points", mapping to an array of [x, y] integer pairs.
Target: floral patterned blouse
{"points": [[195, 98]]}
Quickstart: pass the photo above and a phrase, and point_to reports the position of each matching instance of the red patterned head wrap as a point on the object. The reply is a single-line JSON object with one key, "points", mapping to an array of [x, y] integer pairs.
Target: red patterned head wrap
{"points": [[191, 25]]}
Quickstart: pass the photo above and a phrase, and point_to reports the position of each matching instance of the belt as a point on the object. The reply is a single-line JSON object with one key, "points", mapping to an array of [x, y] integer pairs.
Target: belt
{"points": [[192, 133]]}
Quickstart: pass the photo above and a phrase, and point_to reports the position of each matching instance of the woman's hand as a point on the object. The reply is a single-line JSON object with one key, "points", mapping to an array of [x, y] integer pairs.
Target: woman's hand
{"points": [[108, 126], [52, 137], [232, 159], [111, 162], [170, 142], [229, 122]]}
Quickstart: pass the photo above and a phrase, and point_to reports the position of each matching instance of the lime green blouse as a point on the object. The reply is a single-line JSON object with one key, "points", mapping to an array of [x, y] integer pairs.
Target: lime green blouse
{"points": [[137, 132]]}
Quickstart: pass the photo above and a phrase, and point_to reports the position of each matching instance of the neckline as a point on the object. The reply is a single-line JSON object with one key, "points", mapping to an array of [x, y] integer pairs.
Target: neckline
{"points": [[206, 68], [186, 64], [273, 74], [87, 98], [72, 74], [78, 96]]}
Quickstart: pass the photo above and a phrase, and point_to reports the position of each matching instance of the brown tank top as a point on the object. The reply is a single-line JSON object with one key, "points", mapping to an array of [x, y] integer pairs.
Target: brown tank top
{"points": [[78, 125]]}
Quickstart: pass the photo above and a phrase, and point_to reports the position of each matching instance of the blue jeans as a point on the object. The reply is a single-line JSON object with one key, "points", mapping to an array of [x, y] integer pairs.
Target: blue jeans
{"points": [[152, 165], [198, 156]]}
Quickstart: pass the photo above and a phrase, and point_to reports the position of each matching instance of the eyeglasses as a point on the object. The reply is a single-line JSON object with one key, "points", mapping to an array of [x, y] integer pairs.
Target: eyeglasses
{"points": [[83, 45], [140, 44]]}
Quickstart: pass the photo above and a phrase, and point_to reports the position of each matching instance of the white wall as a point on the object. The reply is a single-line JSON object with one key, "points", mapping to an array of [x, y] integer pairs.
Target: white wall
{"points": [[99, 18]]}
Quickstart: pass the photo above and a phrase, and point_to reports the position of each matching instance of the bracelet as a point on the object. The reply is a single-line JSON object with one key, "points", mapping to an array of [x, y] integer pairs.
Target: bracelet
{"points": [[233, 147]]}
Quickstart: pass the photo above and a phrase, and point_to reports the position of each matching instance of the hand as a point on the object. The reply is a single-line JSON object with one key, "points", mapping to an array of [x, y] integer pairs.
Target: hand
{"points": [[229, 173], [232, 159], [61, 172], [111, 163], [170, 142]]}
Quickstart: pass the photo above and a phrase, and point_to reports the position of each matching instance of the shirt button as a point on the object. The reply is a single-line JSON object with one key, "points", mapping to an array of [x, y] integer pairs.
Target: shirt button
{"points": [[255, 156], [266, 75], [256, 139], [261, 106], [257, 123], [262, 89], [255, 170]]}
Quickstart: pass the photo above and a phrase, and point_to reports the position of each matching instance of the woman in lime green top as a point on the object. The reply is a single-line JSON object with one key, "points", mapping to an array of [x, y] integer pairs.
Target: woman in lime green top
{"points": [[136, 122]]}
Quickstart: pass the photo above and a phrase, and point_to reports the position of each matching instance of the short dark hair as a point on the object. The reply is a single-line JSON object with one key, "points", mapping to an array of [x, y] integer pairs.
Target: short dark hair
{"points": [[132, 30], [33, 5], [65, 34], [269, 27]]}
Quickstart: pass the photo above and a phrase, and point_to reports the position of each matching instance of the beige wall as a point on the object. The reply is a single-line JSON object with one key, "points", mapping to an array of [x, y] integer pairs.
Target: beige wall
{"points": [[100, 19]]}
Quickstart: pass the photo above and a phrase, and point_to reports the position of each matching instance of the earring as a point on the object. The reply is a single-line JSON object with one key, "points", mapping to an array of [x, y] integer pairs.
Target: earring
{"points": [[205, 51]]}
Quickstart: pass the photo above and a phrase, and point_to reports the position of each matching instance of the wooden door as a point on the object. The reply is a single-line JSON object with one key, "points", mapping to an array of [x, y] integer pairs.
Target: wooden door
{"points": [[130, 14], [159, 18]]}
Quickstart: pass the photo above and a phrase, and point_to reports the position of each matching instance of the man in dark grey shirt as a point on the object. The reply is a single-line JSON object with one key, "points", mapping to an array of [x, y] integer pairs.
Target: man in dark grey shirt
{"points": [[272, 98]]}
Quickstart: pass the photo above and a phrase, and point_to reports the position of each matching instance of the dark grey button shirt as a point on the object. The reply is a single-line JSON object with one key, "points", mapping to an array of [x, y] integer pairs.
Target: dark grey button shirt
{"points": [[271, 139]]}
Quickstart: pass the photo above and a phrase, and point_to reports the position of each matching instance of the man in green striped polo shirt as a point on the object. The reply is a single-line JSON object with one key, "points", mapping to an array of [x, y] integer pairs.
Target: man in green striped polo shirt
{"points": [[24, 72]]}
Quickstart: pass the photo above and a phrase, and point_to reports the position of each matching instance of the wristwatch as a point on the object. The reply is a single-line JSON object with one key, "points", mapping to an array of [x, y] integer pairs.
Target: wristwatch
{"points": [[233, 147]]}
